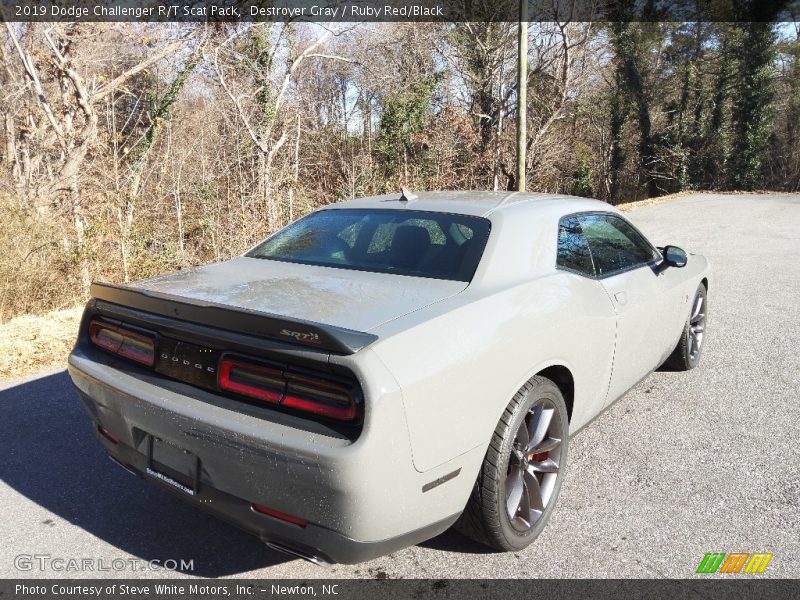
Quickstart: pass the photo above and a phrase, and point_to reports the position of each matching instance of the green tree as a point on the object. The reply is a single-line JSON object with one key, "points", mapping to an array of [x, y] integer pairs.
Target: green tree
{"points": [[752, 108], [632, 43], [404, 114]]}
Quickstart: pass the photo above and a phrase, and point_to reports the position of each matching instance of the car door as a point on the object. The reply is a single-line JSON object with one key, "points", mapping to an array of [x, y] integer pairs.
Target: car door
{"points": [[624, 263], [597, 317]]}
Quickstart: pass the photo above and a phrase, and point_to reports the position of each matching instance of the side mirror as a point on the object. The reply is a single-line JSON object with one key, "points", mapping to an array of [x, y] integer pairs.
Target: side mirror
{"points": [[674, 256]]}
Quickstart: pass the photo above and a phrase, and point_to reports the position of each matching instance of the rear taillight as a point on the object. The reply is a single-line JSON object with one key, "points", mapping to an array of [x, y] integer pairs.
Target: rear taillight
{"points": [[299, 392], [136, 346], [319, 397], [247, 379]]}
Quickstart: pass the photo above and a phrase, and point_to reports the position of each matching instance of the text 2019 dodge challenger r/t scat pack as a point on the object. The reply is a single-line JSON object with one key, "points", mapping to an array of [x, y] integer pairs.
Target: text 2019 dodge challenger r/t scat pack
{"points": [[384, 368]]}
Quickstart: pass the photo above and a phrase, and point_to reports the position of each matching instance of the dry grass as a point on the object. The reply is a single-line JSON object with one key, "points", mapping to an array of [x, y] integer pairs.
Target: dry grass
{"points": [[629, 206], [31, 344]]}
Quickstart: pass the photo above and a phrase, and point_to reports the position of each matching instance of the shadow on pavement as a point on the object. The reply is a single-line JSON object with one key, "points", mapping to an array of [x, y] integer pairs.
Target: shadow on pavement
{"points": [[51, 457], [453, 541]]}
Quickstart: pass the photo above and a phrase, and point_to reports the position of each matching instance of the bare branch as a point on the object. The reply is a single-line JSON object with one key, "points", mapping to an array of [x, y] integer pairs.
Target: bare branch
{"points": [[333, 57], [30, 70], [276, 147], [123, 77], [236, 103]]}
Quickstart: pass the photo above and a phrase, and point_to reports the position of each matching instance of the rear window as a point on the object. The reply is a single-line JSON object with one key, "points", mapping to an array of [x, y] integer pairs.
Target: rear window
{"points": [[404, 242]]}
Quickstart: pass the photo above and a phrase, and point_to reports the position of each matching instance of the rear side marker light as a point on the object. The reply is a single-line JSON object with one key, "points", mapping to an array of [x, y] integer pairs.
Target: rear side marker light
{"points": [[276, 514], [107, 434], [135, 346], [247, 379]]}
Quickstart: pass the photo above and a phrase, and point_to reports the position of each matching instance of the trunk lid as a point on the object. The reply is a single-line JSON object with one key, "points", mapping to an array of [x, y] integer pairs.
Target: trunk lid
{"points": [[356, 300]]}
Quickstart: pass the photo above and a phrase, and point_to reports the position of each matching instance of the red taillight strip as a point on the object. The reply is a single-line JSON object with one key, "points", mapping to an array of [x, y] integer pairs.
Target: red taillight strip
{"points": [[299, 392], [105, 336], [319, 397], [139, 348], [272, 380], [343, 413]]}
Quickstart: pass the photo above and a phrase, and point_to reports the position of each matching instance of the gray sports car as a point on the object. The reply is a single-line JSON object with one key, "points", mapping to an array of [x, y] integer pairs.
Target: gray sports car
{"points": [[385, 368]]}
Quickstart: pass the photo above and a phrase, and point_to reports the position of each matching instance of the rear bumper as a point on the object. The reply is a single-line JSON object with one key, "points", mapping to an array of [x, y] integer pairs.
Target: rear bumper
{"points": [[312, 542], [361, 498]]}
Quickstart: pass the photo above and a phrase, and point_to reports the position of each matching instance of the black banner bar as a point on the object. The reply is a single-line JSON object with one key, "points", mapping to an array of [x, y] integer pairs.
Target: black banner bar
{"points": [[732, 588], [332, 11]]}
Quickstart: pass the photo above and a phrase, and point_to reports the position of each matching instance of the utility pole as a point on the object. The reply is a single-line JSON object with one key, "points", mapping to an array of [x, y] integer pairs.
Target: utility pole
{"points": [[522, 93]]}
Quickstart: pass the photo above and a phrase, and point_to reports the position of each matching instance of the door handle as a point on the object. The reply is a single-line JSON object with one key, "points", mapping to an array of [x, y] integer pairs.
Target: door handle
{"points": [[621, 297]]}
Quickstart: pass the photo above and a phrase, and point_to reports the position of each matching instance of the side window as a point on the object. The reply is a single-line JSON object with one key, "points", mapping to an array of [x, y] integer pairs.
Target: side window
{"points": [[573, 249], [615, 245]]}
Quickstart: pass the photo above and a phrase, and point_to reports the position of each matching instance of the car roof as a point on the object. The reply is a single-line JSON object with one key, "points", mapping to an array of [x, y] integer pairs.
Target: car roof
{"points": [[478, 203]]}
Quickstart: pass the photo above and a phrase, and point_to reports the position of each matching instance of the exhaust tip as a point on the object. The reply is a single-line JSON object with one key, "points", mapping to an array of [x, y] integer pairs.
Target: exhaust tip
{"points": [[320, 562], [123, 466]]}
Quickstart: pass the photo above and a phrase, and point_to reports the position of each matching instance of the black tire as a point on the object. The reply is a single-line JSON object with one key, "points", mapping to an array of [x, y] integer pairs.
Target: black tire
{"points": [[687, 353], [486, 518]]}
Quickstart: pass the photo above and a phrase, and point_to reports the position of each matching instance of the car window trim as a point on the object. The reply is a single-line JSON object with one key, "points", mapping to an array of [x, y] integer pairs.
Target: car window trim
{"points": [[651, 263]]}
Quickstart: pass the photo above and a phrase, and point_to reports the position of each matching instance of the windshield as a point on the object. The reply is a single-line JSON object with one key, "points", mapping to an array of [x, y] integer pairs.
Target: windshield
{"points": [[404, 242]]}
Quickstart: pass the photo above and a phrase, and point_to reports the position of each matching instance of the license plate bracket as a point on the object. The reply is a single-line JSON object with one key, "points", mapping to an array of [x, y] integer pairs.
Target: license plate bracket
{"points": [[173, 466]]}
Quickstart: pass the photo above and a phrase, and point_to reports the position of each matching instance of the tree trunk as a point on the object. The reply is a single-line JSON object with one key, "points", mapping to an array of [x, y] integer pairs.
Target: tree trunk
{"points": [[619, 110], [269, 201], [295, 170], [79, 221], [522, 96]]}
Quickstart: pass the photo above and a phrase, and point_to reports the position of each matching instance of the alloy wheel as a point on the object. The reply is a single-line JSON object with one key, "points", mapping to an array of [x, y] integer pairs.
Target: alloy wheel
{"points": [[697, 325], [533, 466]]}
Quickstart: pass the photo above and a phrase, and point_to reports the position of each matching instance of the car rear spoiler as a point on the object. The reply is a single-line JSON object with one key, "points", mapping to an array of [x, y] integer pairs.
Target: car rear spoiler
{"points": [[240, 320]]}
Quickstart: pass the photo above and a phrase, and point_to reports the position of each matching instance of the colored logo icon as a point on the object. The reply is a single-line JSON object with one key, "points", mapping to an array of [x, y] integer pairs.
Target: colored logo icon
{"points": [[734, 562]]}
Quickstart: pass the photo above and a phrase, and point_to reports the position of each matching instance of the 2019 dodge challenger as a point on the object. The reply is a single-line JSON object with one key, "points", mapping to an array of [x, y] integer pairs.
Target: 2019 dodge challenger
{"points": [[387, 367]]}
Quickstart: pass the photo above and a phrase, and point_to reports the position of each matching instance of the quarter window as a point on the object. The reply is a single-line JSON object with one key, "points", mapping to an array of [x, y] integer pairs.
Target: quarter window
{"points": [[573, 249], [615, 244]]}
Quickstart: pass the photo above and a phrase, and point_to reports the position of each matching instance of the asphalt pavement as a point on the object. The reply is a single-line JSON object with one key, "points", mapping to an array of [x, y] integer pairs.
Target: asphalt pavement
{"points": [[684, 464]]}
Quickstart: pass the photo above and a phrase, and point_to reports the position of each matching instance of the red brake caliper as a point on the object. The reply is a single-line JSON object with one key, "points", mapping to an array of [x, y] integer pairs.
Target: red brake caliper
{"points": [[542, 456]]}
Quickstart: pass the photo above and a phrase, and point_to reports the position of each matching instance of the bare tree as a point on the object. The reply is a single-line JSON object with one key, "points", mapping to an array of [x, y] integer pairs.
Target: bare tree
{"points": [[68, 101], [270, 84]]}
